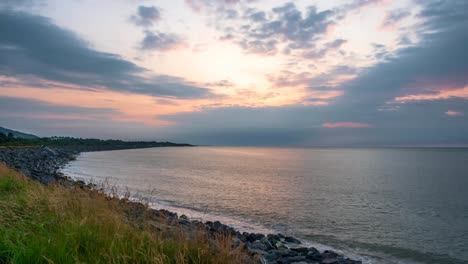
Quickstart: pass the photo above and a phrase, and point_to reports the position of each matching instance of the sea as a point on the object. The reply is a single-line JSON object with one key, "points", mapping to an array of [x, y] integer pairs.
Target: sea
{"points": [[379, 205]]}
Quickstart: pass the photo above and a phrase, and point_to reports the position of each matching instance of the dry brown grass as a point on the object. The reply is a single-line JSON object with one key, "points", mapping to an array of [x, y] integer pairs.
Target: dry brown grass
{"points": [[54, 224]]}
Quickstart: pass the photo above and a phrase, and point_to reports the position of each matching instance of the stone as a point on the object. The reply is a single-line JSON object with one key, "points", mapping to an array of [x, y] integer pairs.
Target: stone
{"points": [[255, 251], [268, 244], [273, 238], [258, 245], [292, 240], [300, 249], [272, 256], [184, 217], [330, 254], [330, 261], [289, 260]]}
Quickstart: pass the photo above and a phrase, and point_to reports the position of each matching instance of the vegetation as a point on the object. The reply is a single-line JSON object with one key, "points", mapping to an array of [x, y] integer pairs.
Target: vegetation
{"points": [[10, 140], [54, 224], [15, 133]]}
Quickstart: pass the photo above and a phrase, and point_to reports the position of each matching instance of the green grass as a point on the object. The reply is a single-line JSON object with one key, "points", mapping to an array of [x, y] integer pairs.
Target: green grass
{"points": [[53, 224]]}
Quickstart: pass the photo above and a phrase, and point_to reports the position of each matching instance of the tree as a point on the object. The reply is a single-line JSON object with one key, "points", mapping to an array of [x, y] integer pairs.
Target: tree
{"points": [[10, 135]]}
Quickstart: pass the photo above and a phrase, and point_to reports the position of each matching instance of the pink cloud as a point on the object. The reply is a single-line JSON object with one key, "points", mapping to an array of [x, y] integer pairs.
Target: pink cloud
{"points": [[443, 93], [345, 125], [454, 113]]}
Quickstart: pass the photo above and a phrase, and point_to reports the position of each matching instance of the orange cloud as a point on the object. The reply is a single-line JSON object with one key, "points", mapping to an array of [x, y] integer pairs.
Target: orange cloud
{"points": [[129, 106], [345, 125], [438, 95]]}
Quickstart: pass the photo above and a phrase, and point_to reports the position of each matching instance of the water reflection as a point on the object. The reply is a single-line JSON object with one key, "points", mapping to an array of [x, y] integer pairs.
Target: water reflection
{"points": [[392, 200]]}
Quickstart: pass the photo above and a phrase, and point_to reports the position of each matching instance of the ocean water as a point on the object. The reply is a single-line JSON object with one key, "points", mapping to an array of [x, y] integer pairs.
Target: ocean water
{"points": [[381, 205]]}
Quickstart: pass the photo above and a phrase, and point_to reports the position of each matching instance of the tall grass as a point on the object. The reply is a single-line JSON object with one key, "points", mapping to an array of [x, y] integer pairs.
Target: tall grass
{"points": [[54, 224]]}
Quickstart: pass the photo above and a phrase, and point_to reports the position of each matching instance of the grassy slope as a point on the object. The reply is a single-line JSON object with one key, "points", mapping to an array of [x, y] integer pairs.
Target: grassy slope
{"points": [[52, 224], [17, 133]]}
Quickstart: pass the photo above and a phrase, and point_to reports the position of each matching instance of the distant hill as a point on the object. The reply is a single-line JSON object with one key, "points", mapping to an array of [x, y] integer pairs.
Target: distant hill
{"points": [[17, 134]]}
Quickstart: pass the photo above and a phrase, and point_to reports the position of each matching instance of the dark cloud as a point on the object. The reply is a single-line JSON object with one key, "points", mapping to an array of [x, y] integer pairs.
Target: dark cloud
{"points": [[356, 5], [283, 26], [231, 14], [14, 4], [287, 25], [420, 123], [395, 16], [440, 59], [441, 55], [266, 47], [259, 16], [32, 45], [146, 16], [13, 106], [160, 41], [381, 52], [328, 47]]}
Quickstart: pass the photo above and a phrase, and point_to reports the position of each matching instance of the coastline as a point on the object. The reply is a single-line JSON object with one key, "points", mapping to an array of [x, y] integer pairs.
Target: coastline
{"points": [[43, 164]]}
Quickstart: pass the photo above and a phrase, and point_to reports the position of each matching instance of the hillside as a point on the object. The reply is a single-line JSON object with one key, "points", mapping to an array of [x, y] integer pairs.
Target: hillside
{"points": [[17, 134]]}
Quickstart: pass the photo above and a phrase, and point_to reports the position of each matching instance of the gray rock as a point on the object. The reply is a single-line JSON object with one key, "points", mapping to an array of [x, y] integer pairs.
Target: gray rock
{"points": [[289, 260], [292, 240], [258, 245], [255, 251], [330, 261], [300, 249]]}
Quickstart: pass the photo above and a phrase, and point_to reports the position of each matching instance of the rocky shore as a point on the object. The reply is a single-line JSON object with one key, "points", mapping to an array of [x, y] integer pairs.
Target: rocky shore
{"points": [[44, 163]]}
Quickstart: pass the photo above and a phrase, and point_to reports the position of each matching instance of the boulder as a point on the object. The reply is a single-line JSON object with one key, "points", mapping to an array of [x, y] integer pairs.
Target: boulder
{"points": [[292, 240]]}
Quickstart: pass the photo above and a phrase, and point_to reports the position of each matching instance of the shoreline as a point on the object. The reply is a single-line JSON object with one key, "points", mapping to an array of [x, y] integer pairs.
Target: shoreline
{"points": [[44, 164]]}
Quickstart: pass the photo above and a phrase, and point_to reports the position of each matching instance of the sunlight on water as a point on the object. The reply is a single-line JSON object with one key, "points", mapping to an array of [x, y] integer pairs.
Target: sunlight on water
{"points": [[386, 205]]}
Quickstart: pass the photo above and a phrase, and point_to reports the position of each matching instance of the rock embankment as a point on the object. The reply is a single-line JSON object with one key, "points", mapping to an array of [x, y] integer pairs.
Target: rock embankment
{"points": [[269, 249], [44, 163], [39, 163]]}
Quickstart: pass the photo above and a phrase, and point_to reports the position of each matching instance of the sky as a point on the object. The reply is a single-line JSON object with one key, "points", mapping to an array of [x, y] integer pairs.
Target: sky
{"points": [[238, 72]]}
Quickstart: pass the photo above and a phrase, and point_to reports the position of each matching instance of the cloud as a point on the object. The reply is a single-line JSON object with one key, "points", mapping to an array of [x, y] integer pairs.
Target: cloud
{"points": [[345, 125], [146, 16], [443, 94], [287, 78], [284, 25], [358, 4], [454, 113], [160, 41], [14, 4], [440, 55], [220, 83], [258, 16], [13, 106], [32, 45], [328, 47], [395, 16], [46, 119], [231, 14], [200, 5], [439, 59], [435, 67], [334, 77], [319, 89], [419, 123]]}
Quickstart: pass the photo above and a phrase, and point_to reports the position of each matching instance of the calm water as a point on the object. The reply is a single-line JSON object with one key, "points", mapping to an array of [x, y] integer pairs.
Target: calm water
{"points": [[382, 205]]}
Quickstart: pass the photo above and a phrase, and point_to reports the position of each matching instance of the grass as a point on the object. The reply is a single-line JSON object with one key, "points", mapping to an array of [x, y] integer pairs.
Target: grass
{"points": [[54, 224]]}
